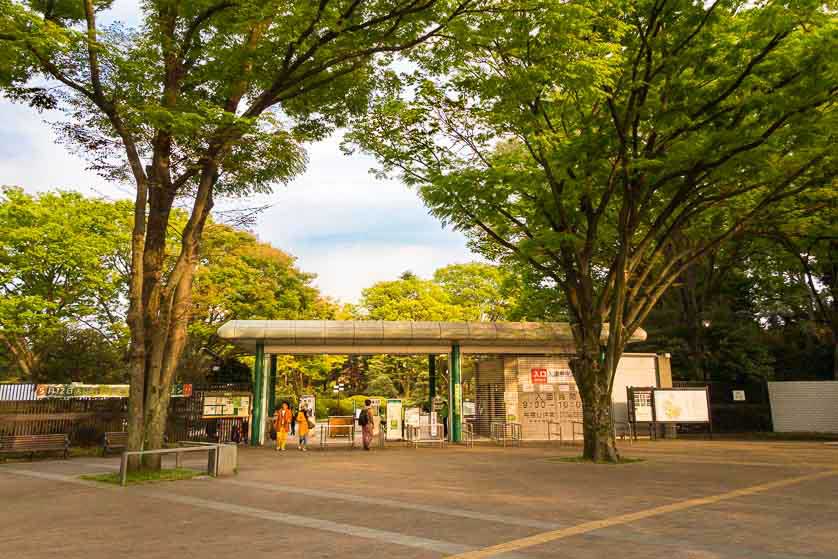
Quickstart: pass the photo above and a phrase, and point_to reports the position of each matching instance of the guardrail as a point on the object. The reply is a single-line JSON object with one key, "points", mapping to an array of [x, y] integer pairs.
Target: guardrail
{"points": [[432, 433], [551, 425], [210, 448], [331, 431], [468, 434], [505, 432]]}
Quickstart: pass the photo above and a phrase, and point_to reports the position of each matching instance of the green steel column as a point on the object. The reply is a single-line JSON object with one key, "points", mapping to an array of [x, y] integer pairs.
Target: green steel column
{"points": [[258, 396], [431, 380], [455, 407], [272, 388]]}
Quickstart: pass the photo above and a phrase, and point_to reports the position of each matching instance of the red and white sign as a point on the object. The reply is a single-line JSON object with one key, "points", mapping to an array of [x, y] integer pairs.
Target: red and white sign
{"points": [[538, 376]]}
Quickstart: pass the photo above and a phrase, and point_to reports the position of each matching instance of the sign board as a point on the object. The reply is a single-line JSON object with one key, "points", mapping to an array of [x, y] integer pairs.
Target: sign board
{"points": [[469, 408], [538, 376], [226, 405], [79, 390], [536, 411], [558, 376], [738, 395], [308, 401], [394, 420], [681, 405], [640, 404], [411, 416], [438, 403]]}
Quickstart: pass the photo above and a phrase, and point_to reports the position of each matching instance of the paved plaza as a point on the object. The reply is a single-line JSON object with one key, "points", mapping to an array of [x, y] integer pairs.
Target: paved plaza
{"points": [[685, 500]]}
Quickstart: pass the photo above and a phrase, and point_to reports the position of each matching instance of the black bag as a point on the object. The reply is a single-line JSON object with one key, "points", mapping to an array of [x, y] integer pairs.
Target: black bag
{"points": [[273, 434], [364, 418]]}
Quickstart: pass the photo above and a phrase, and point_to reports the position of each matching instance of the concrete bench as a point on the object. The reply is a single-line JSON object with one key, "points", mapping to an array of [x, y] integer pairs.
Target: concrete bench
{"points": [[14, 444]]}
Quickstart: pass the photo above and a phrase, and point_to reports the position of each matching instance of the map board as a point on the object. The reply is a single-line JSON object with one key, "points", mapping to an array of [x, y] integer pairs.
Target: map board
{"points": [[226, 405], [681, 405]]}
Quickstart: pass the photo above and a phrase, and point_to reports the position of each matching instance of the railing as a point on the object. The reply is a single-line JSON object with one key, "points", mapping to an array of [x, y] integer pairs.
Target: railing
{"points": [[338, 427], [468, 434], [210, 448], [431, 433], [504, 432], [557, 428]]}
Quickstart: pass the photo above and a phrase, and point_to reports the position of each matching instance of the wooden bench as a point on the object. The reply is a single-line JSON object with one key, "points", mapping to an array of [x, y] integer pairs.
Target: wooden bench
{"points": [[114, 439], [12, 444]]}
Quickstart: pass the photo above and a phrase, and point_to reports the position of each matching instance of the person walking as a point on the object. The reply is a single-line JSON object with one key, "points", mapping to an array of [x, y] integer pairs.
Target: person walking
{"points": [[365, 420], [302, 428], [282, 423]]}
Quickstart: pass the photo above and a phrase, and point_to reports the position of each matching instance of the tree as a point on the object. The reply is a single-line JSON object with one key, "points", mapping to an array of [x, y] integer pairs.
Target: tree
{"points": [[485, 290], [240, 278], [709, 320], [202, 100], [408, 298], [60, 258], [809, 242], [583, 140]]}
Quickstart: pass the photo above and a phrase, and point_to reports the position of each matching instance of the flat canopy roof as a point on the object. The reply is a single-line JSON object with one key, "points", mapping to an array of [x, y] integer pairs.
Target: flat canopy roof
{"points": [[380, 336]]}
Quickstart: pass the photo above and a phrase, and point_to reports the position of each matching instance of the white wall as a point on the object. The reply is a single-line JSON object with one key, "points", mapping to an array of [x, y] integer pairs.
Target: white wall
{"points": [[638, 369], [804, 406]]}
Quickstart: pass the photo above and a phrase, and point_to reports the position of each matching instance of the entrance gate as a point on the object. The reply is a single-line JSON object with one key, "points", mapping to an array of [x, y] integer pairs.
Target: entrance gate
{"points": [[268, 338]]}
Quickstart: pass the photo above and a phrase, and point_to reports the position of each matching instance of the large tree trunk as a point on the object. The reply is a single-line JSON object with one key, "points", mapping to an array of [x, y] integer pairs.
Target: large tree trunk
{"points": [[159, 327], [595, 390]]}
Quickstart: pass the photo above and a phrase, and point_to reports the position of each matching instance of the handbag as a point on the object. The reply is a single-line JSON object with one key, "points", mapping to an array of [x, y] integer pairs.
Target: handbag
{"points": [[273, 433], [310, 423]]}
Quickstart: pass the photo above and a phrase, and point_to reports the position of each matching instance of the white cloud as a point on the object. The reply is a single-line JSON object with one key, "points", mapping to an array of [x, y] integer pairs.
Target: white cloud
{"points": [[340, 221], [346, 269]]}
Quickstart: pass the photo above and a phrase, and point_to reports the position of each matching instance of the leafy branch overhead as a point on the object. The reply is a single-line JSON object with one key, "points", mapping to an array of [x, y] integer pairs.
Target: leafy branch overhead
{"points": [[587, 140]]}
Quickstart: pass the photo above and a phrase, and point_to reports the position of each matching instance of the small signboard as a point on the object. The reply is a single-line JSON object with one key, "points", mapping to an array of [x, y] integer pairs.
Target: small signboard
{"points": [[557, 376], [411, 416], [308, 402], [394, 420], [738, 395], [640, 404], [469, 408], [538, 376]]}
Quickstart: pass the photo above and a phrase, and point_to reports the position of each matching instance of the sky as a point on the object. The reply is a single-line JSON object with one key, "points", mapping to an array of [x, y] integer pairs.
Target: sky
{"points": [[342, 223]]}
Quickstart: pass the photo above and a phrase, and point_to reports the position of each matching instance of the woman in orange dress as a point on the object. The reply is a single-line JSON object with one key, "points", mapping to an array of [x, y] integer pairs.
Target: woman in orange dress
{"points": [[282, 423], [302, 428]]}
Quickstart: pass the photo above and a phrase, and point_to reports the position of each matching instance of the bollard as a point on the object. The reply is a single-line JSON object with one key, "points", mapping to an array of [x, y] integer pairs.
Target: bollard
{"points": [[123, 469]]}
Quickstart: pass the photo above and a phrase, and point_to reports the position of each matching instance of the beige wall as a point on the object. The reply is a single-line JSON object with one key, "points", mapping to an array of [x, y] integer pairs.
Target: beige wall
{"points": [[534, 405]]}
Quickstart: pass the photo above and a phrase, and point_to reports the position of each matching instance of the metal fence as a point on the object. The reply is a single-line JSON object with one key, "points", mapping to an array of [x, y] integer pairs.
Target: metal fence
{"points": [[732, 415], [85, 421], [17, 392]]}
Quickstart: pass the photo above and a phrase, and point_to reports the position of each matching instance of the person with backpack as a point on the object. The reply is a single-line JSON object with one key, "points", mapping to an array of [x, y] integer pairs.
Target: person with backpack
{"points": [[365, 420]]}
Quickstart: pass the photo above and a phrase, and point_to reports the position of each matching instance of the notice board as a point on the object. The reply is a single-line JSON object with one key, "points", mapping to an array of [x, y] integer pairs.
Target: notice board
{"points": [[681, 405]]}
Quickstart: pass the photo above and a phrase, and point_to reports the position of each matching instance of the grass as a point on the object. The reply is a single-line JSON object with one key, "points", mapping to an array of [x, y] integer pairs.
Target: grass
{"points": [[85, 451], [583, 460], [146, 476]]}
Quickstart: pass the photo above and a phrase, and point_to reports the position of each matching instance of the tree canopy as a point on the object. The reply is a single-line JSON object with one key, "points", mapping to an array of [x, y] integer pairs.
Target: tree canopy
{"points": [[587, 141], [61, 266]]}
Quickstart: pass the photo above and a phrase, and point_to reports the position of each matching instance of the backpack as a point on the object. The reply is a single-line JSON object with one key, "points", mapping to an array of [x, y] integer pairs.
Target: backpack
{"points": [[364, 418]]}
